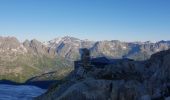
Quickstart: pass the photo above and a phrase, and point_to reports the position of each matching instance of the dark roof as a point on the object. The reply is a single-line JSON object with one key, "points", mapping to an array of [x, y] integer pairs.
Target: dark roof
{"points": [[100, 60]]}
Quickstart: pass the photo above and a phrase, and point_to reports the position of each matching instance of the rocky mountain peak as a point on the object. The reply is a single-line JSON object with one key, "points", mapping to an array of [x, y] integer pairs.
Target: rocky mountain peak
{"points": [[26, 43], [64, 39], [9, 43], [35, 43], [69, 38], [163, 41]]}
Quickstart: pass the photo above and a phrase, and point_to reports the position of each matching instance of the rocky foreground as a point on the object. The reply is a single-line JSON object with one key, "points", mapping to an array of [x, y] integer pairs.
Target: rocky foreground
{"points": [[120, 80]]}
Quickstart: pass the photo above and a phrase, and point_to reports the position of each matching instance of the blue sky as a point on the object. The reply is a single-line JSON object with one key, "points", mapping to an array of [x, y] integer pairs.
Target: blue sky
{"points": [[125, 20]]}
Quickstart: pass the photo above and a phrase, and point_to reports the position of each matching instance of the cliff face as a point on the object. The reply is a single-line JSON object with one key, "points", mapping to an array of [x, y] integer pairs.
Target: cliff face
{"points": [[119, 80]]}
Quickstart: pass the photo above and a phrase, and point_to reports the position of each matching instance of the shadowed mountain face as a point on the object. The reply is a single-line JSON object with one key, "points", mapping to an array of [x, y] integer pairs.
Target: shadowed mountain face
{"points": [[21, 61], [120, 80]]}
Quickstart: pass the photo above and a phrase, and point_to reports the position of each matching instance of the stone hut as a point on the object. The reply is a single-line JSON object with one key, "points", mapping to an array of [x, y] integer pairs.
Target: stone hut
{"points": [[85, 61]]}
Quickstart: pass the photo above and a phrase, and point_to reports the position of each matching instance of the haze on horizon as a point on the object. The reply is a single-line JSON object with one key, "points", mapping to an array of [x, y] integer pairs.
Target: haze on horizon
{"points": [[125, 20]]}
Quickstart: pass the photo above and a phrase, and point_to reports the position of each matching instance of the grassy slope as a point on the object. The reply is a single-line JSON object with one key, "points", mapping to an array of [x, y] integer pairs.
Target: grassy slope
{"points": [[23, 67]]}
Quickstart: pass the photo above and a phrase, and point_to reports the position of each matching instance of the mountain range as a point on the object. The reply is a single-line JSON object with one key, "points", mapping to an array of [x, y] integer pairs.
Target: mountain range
{"points": [[68, 47], [20, 61]]}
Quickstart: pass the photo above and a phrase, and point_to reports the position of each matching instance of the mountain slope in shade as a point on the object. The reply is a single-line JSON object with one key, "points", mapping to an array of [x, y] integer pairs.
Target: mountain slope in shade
{"points": [[121, 80]]}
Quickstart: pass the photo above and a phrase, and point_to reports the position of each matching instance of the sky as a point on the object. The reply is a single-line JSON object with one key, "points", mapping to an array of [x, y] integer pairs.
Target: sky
{"points": [[125, 20]]}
